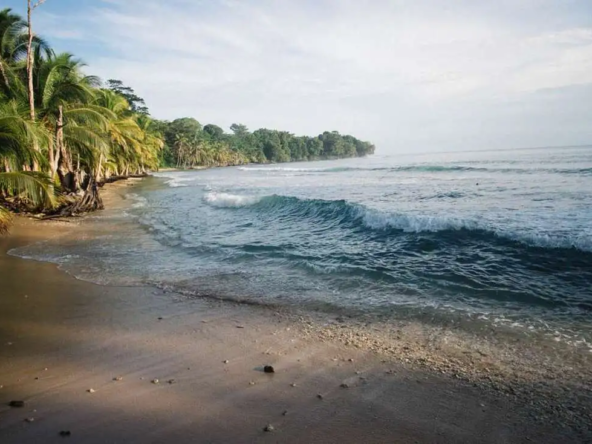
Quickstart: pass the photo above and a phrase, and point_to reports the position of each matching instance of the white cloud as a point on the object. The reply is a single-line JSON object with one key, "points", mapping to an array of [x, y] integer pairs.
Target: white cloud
{"points": [[400, 73]]}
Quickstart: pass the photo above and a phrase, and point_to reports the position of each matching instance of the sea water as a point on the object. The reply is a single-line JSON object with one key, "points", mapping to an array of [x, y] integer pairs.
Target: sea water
{"points": [[499, 237]]}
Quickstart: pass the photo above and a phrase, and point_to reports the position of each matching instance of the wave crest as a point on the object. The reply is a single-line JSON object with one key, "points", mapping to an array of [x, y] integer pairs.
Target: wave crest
{"points": [[226, 200], [341, 212]]}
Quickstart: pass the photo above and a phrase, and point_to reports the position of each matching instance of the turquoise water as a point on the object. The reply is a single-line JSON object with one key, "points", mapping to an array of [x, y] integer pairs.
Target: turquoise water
{"points": [[501, 237]]}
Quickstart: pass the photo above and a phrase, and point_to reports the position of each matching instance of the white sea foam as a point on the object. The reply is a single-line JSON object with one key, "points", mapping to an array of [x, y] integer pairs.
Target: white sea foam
{"points": [[226, 200], [177, 180], [413, 223], [140, 201], [290, 169]]}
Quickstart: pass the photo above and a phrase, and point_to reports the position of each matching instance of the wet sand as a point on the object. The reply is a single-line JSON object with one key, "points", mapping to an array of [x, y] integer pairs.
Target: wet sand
{"points": [[61, 337]]}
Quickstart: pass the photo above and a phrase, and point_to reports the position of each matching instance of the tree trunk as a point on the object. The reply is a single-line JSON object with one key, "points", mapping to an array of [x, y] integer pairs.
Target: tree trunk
{"points": [[91, 200], [54, 156], [4, 76], [30, 76], [66, 172]]}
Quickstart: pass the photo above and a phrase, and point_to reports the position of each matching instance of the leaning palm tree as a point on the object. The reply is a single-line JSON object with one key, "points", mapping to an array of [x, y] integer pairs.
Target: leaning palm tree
{"points": [[17, 134]]}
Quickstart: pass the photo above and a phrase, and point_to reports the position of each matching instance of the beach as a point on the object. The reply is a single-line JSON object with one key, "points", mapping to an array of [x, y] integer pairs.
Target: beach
{"points": [[140, 364]]}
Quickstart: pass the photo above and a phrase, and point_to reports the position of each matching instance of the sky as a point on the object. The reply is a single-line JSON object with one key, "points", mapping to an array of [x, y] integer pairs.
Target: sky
{"points": [[407, 75]]}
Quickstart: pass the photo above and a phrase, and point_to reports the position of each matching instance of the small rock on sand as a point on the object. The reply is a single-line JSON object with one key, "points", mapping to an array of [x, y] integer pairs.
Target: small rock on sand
{"points": [[268, 428], [91, 390], [65, 433], [117, 378], [293, 384], [320, 396], [226, 361], [285, 413], [171, 381], [344, 386], [268, 369], [155, 381], [29, 420], [16, 404]]}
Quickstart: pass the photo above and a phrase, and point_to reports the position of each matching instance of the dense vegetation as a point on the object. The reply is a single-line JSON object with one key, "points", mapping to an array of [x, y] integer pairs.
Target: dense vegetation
{"points": [[188, 144], [63, 133]]}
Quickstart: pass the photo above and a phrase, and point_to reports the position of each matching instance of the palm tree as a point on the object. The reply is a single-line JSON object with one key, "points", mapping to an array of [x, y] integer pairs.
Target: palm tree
{"points": [[17, 134]]}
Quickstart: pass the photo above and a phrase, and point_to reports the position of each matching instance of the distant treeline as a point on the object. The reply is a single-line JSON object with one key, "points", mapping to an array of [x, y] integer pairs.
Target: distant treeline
{"points": [[188, 144]]}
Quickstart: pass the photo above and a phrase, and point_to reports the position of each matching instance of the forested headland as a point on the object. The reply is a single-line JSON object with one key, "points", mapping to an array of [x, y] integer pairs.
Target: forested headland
{"points": [[63, 132]]}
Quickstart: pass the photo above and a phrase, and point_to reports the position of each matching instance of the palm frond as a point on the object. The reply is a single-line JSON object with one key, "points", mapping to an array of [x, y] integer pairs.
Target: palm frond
{"points": [[33, 185]]}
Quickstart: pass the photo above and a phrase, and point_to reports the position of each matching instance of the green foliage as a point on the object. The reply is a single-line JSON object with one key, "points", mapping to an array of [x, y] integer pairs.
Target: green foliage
{"points": [[186, 145], [136, 104]]}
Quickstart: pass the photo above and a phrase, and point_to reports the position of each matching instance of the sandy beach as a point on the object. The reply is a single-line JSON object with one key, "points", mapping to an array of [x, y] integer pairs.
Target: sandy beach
{"points": [[141, 365]]}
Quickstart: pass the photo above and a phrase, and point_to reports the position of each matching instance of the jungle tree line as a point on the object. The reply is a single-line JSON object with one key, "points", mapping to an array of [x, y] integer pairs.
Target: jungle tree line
{"points": [[188, 144]]}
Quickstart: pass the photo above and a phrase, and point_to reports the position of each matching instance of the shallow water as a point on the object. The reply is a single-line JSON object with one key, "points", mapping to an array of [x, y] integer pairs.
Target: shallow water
{"points": [[503, 238]]}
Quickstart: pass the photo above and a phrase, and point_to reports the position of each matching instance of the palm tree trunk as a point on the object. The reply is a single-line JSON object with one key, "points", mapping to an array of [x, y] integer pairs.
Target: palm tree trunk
{"points": [[30, 72], [4, 76], [30, 61], [54, 156]]}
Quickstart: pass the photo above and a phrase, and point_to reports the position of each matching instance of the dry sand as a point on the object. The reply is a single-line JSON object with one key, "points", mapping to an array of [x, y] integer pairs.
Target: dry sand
{"points": [[61, 337]]}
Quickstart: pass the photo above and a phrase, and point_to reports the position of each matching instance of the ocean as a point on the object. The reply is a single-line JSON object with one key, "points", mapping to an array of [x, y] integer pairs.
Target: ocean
{"points": [[499, 240]]}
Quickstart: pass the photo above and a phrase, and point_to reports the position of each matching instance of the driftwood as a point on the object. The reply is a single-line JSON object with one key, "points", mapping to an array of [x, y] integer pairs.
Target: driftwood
{"points": [[118, 178]]}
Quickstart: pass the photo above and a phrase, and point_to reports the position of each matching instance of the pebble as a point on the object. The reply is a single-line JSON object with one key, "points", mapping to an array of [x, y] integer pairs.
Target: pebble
{"points": [[29, 420], [268, 369], [320, 396], [344, 386], [293, 384], [285, 413], [65, 433], [171, 381], [268, 428], [117, 378], [91, 390], [226, 361], [155, 381], [252, 383], [16, 404]]}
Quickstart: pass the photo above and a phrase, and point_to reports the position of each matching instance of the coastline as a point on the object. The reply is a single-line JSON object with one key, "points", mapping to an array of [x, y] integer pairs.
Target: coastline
{"points": [[396, 389]]}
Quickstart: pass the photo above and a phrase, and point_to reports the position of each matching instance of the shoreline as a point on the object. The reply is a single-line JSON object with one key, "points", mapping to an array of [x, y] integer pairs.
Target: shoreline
{"points": [[86, 335]]}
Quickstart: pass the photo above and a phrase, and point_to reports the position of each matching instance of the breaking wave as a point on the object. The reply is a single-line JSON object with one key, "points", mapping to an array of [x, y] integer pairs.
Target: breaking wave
{"points": [[341, 212]]}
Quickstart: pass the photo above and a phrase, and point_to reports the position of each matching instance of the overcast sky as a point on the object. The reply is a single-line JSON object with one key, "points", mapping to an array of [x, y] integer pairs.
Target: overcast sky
{"points": [[408, 75]]}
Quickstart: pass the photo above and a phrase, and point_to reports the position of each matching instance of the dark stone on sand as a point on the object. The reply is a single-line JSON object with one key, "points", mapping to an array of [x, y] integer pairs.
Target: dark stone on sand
{"points": [[320, 396], [171, 381], [285, 413], [29, 420], [344, 386], [268, 428], [268, 369], [16, 404], [160, 318], [65, 433]]}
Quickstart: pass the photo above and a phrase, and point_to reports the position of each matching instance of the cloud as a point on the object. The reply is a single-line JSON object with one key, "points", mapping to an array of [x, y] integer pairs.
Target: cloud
{"points": [[401, 73]]}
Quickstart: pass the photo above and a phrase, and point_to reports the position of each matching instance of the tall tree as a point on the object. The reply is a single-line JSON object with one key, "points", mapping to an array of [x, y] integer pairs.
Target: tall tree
{"points": [[30, 8], [136, 104]]}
